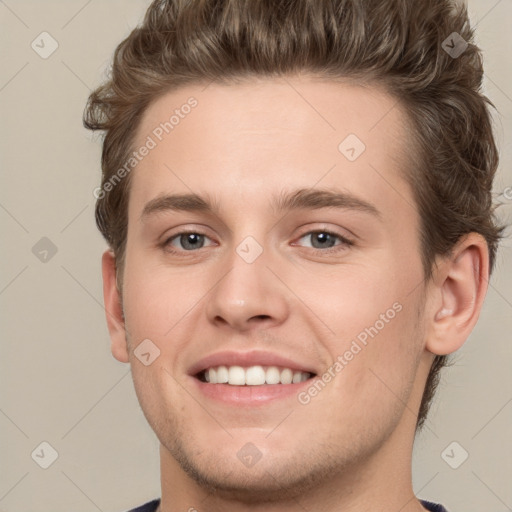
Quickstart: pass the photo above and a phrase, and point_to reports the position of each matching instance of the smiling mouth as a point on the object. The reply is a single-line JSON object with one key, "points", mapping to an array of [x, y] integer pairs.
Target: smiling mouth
{"points": [[252, 375]]}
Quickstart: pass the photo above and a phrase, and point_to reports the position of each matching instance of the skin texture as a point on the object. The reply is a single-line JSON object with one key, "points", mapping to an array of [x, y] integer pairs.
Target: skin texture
{"points": [[350, 447]]}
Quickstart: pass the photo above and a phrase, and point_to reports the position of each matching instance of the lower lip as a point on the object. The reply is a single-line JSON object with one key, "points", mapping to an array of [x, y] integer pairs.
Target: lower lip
{"points": [[249, 395]]}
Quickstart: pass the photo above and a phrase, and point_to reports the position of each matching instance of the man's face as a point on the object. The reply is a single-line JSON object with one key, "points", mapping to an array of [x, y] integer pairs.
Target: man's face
{"points": [[284, 292]]}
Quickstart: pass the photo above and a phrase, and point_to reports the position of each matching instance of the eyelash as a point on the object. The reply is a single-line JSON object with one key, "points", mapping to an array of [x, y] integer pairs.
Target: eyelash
{"points": [[345, 242]]}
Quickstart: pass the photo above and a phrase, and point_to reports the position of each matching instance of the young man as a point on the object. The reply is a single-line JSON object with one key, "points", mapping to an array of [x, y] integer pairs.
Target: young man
{"points": [[297, 200]]}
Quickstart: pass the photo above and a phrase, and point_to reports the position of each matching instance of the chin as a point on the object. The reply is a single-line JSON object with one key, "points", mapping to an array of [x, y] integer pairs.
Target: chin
{"points": [[251, 487], [271, 479]]}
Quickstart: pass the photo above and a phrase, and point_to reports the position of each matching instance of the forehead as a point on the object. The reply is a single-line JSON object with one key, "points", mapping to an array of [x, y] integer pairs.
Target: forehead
{"points": [[271, 134]]}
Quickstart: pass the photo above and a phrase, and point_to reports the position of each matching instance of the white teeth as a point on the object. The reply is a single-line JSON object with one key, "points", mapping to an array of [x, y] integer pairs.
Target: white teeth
{"points": [[297, 377], [254, 375], [213, 375], [222, 375], [273, 375], [236, 376], [286, 376]]}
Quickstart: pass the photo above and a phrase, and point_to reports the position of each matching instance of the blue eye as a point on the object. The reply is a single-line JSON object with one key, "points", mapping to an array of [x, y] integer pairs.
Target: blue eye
{"points": [[189, 241], [322, 241], [325, 241]]}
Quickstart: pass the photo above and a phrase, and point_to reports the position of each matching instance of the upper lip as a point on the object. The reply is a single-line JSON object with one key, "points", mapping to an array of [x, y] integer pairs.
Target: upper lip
{"points": [[246, 359]]}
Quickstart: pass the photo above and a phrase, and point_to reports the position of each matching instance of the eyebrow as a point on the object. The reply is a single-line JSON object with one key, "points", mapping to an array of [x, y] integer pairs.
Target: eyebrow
{"points": [[300, 199]]}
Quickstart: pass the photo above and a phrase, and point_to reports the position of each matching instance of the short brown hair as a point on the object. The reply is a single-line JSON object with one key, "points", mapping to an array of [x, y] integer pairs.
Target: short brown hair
{"points": [[400, 45]]}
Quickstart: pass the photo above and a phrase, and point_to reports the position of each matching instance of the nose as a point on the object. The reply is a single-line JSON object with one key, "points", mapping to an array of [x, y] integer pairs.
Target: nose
{"points": [[247, 295]]}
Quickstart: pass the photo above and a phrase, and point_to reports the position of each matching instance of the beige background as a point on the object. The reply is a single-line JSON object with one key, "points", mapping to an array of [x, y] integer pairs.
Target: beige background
{"points": [[60, 383]]}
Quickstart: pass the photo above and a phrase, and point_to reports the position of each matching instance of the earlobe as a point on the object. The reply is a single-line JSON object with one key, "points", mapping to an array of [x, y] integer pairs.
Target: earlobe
{"points": [[113, 309], [461, 286]]}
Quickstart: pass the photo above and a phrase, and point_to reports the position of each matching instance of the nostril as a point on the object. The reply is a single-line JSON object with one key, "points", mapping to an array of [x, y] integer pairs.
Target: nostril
{"points": [[261, 317]]}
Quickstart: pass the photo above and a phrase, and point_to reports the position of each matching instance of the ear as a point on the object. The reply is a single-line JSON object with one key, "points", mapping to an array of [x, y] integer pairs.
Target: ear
{"points": [[113, 309], [460, 285]]}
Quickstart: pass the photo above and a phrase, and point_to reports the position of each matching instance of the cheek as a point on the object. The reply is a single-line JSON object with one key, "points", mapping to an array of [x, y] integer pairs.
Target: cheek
{"points": [[377, 338], [384, 357], [352, 301], [162, 305], [158, 395], [157, 299]]}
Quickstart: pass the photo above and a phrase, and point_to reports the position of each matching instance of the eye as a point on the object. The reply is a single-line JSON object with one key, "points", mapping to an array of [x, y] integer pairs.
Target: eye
{"points": [[188, 240], [321, 240], [325, 241]]}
